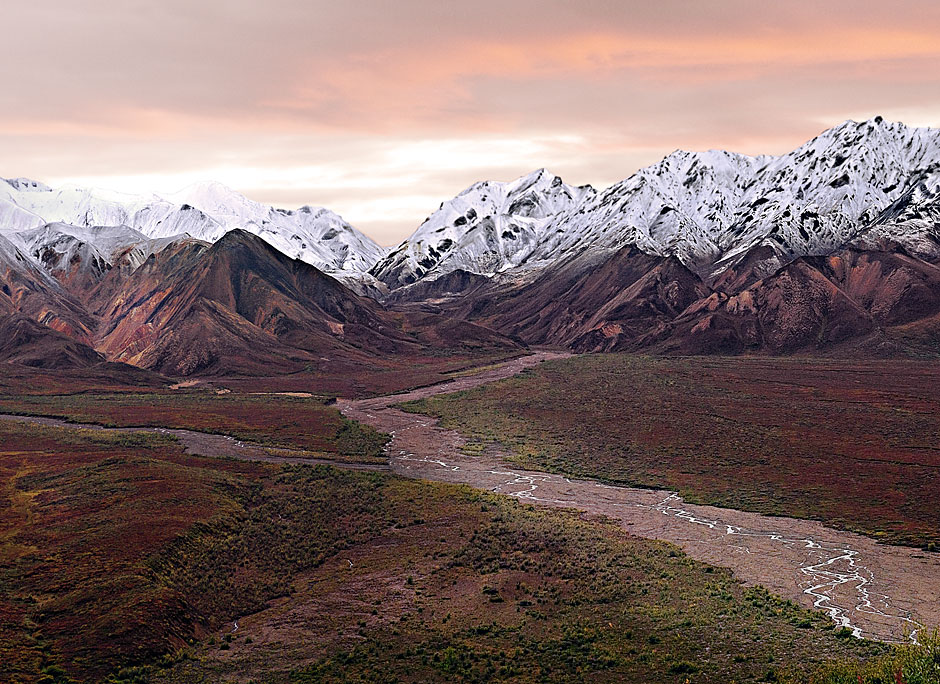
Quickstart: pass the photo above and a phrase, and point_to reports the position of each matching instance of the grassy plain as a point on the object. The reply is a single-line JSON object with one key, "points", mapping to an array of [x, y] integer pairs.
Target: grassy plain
{"points": [[854, 444], [124, 559], [305, 423], [383, 376], [81, 512]]}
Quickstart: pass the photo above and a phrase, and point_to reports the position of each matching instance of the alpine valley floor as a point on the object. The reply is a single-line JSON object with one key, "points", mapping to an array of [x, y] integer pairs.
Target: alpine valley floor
{"points": [[876, 590], [268, 565]]}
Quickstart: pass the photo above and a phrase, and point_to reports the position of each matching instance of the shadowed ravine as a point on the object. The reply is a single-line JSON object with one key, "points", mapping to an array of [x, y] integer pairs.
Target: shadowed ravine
{"points": [[877, 591]]}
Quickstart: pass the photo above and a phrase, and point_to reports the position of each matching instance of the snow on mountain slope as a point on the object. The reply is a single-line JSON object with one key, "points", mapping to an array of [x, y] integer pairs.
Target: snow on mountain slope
{"points": [[69, 204], [489, 227], [26, 289], [820, 196], [14, 218], [11, 257], [710, 209], [311, 234], [205, 211], [915, 215], [79, 256], [678, 206], [106, 240]]}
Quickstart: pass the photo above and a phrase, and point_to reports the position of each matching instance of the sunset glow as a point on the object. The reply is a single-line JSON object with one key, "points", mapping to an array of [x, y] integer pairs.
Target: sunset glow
{"points": [[379, 111]]}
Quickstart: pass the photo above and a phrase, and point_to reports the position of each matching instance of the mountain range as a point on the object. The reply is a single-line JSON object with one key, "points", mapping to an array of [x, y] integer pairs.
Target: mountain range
{"points": [[831, 248], [204, 211]]}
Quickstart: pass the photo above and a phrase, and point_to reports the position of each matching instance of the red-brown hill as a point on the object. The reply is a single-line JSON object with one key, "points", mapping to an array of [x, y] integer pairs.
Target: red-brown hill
{"points": [[240, 306]]}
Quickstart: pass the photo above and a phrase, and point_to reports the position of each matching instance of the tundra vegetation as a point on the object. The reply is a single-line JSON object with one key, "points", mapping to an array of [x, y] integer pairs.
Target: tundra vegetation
{"points": [[302, 423], [125, 559], [850, 443]]}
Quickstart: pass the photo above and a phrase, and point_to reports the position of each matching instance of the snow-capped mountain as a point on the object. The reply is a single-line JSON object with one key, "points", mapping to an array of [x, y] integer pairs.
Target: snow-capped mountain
{"points": [[913, 218], [81, 256], [864, 184], [488, 228], [709, 209], [205, 211], [28, 290]]}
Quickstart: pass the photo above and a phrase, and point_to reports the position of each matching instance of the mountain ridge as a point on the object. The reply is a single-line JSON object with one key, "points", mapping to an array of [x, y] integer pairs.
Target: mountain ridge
{"points": [[702, 252], [204, 211], [868, 182]]}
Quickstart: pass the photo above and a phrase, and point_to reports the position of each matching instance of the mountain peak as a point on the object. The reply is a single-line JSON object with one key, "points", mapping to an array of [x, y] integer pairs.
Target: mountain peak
{"points": [[236, 236], [488, 228], [26, 185], [206, 211], [537, 174], [239, 239]]}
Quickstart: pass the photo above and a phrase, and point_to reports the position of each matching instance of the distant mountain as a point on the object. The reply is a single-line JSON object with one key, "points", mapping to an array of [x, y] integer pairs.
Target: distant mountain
{"points": [[834, 246], [488, 228], [27, 290], [205, 211]]}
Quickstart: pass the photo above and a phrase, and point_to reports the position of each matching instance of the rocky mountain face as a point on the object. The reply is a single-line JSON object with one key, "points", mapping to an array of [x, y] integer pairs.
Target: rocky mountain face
{"points": [[488, 228], [831, 247], [239, 304], [594, 304], [878, 302]]}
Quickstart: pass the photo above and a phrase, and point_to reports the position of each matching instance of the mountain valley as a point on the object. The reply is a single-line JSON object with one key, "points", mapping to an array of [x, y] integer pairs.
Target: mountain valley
{"points": [[681, 429], [829, 249]]}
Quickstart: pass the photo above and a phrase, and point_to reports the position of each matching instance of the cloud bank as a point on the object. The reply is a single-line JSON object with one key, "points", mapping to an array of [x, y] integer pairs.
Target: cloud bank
{"points": [[381, 110]]}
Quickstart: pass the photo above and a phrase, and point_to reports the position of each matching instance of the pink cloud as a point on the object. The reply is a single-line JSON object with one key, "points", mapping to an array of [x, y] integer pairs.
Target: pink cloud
{"points": [[95, 88]]}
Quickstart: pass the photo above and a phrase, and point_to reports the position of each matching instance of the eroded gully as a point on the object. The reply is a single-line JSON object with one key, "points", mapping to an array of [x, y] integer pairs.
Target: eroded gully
{"points": [[877, 591]]}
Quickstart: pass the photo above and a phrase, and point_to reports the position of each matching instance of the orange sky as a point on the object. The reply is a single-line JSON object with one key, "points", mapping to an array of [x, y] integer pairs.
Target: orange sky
{"points": [[381, 110]]}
